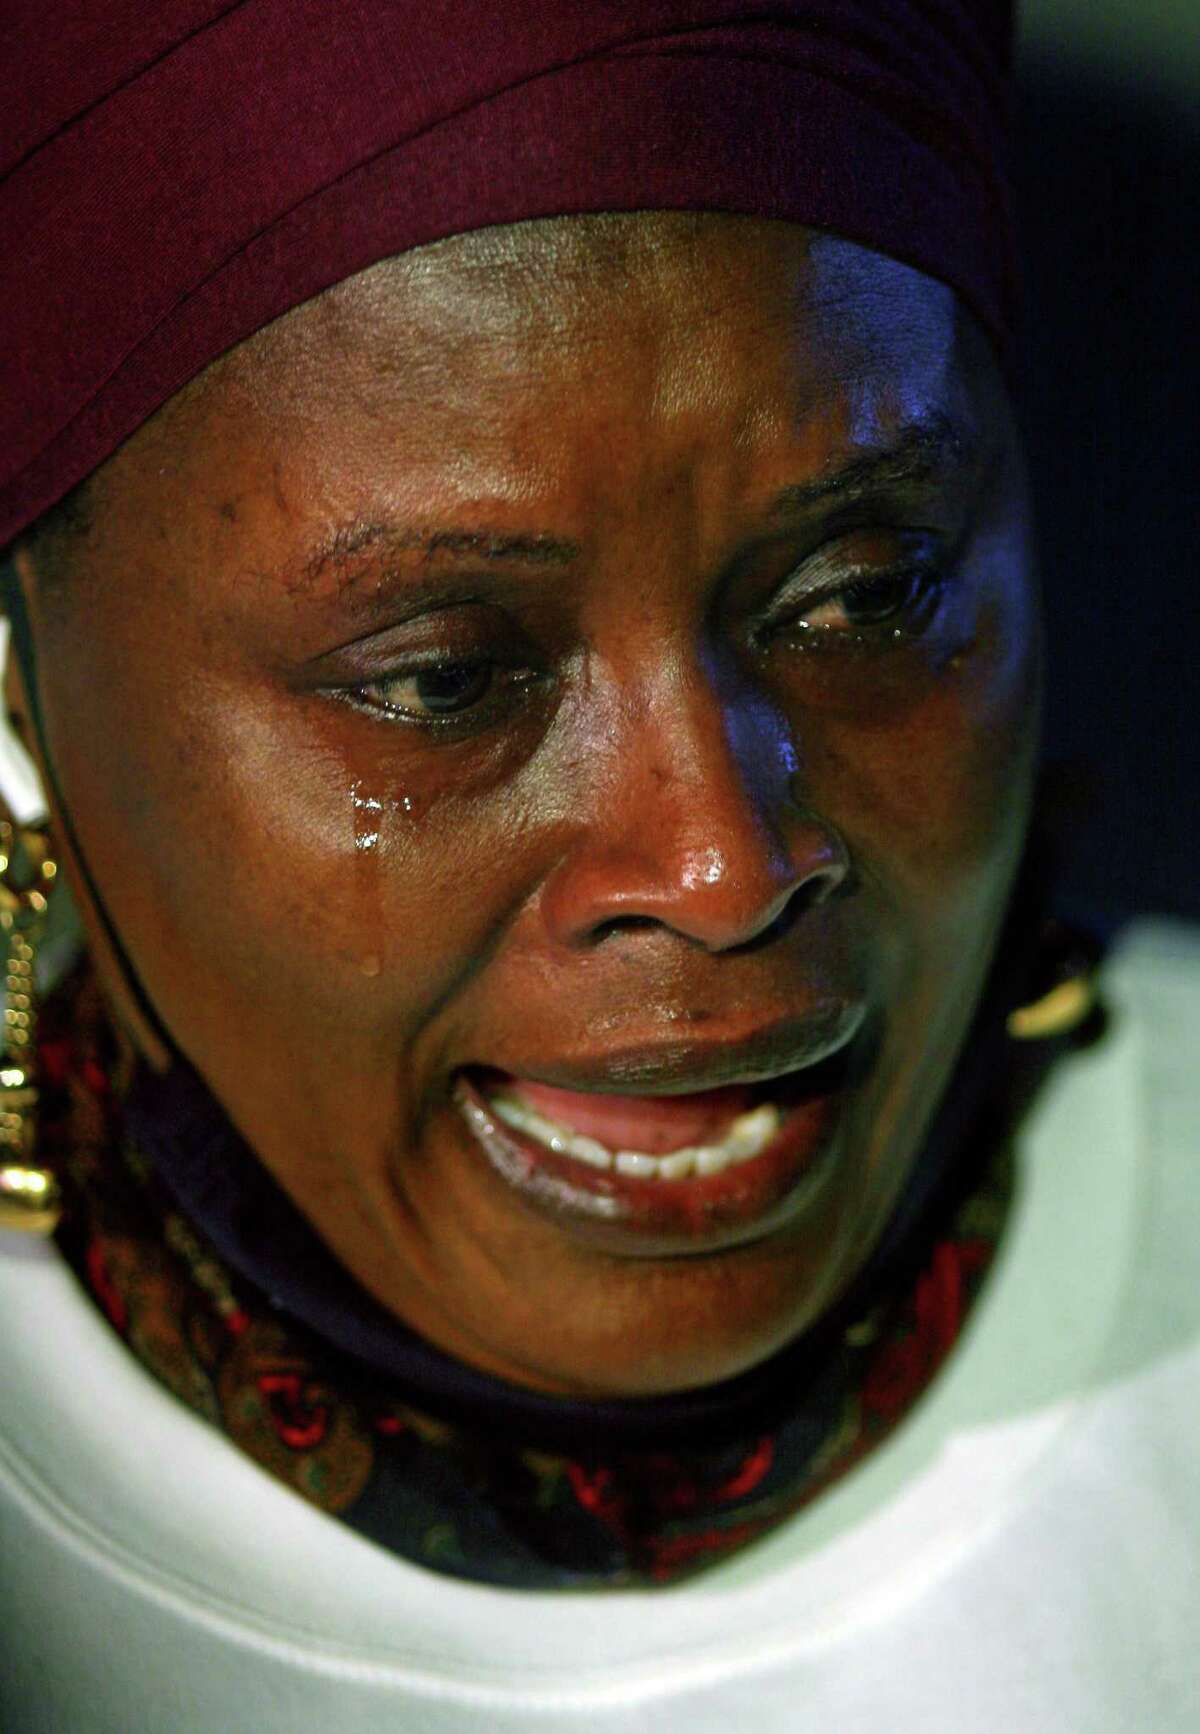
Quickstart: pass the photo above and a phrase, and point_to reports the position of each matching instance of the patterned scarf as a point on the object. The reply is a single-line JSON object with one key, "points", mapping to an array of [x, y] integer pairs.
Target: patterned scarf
{"points": [[527, 1491]]}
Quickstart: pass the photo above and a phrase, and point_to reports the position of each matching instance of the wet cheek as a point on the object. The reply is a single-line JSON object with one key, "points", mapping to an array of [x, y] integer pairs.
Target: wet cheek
{"points": [[307, 871]]}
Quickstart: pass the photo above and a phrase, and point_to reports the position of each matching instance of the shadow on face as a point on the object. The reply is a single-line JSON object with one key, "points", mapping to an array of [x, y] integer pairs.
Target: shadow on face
{"points": [[551, 721]]}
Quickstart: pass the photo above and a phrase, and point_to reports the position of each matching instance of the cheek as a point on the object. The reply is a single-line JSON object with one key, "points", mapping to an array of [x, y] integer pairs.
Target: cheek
{"points": [[935, 814], [933, 805], [249, 866]]}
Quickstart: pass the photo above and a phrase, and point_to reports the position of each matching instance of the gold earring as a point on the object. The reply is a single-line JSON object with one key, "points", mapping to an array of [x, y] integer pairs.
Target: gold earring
{"points": [[1068, 968], [29, 1194]]}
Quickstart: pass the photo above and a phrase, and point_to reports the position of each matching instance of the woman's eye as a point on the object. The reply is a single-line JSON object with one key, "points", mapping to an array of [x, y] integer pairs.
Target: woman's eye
{"points": [[444, 689], [868, 591], [901, 600]]}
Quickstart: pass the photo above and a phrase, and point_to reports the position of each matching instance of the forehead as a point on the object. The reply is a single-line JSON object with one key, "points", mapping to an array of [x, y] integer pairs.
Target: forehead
{"points": [[511, 358], [668, 294]]}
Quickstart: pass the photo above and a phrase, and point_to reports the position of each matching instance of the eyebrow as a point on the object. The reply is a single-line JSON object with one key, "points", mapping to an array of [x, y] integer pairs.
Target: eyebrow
{"points": [[922, 451], [349, 540]]}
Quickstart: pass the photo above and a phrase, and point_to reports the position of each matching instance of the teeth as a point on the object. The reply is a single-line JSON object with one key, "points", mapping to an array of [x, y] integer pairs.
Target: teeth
{"points": [[711, 1158], [676, 1165], [751, 1132], [633, 1162], [585, 1149], [555, 1137], [746, 1138]]}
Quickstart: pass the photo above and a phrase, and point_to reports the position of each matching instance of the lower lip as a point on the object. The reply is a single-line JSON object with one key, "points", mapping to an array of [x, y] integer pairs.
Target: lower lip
{"points": [[652, 1217]]}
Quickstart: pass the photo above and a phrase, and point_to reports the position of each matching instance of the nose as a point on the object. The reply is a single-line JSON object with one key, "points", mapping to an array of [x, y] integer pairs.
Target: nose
{"points": [[697, 827]]}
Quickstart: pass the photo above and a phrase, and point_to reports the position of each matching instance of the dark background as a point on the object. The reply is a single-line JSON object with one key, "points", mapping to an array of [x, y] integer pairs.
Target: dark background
{"points": [[1109, 188]]}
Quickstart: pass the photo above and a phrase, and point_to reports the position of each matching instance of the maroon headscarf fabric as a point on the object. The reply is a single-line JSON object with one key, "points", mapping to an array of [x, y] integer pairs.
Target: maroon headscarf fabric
{"points": [[175, 174]]}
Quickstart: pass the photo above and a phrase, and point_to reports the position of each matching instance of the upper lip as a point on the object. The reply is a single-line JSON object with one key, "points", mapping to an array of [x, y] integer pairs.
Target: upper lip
{"points": [[683, 1065]]}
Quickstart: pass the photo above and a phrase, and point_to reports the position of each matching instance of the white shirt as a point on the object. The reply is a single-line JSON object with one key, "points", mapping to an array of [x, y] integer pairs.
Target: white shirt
{"points": [[1023, 1554]]}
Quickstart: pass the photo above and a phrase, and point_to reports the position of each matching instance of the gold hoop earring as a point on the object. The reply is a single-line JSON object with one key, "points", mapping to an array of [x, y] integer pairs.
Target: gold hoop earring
{"points": [[30, 1200]]}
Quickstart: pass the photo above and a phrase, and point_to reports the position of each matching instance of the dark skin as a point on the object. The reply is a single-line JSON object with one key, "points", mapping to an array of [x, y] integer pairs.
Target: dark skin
{"points": [[604, 634]]}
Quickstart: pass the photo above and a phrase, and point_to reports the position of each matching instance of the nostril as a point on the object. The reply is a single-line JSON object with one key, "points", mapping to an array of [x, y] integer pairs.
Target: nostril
{"points": [[623, 924], [814, 890], [819, 885]]}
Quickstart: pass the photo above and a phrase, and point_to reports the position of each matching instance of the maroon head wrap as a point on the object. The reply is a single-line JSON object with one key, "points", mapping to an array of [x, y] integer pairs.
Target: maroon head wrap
{"points": [[174, 175]]}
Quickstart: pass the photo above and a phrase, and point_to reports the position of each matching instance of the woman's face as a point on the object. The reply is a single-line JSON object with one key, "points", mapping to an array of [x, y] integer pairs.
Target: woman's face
{"points": [[597, 655]]}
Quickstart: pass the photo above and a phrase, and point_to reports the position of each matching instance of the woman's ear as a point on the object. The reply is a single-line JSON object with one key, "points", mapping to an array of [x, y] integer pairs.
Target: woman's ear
{"points": [[27, 791]]}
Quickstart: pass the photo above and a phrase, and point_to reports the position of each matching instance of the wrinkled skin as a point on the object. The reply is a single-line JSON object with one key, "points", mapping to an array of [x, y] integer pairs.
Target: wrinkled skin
{"points": [[675, 816]]}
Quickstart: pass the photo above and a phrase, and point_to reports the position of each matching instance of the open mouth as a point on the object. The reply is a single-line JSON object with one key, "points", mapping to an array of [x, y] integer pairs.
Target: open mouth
{"points": [[646, 1137], [681, 1169]]}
